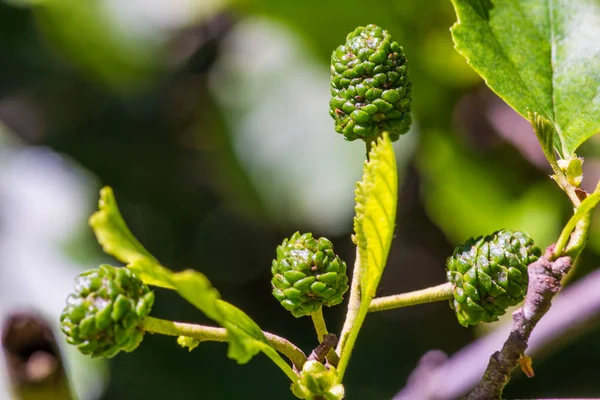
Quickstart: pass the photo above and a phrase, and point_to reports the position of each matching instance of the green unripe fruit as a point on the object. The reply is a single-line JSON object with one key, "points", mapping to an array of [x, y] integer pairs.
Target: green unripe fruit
{"points": [[370, 87], [307, 274], [489, 274], [103, 315], [316, 380]]}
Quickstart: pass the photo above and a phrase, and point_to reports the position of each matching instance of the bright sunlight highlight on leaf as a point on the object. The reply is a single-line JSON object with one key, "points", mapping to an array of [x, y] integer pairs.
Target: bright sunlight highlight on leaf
{"points": [[117, 240], [376, 196], [539, 56]]}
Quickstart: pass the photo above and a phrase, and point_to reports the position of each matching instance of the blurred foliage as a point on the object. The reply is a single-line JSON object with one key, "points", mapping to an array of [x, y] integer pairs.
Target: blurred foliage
{"points": [[184, 110]]}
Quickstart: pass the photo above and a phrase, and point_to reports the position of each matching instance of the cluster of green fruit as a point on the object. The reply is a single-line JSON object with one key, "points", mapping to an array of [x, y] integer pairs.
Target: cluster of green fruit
{"points": [[371, 94]]}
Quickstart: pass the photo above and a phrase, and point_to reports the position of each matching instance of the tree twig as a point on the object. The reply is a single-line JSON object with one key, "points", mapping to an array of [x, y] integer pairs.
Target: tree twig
{"points": [[572, 314], [209, 333], [544, 283]]}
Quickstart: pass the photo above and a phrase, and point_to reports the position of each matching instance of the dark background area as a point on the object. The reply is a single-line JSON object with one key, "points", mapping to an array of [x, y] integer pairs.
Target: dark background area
{"points": [[147, 118]]}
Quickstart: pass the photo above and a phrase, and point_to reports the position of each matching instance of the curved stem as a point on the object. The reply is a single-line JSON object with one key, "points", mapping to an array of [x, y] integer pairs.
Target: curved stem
{"points": [[352, 322], [209, 333], [583, 211], [428, 295]]}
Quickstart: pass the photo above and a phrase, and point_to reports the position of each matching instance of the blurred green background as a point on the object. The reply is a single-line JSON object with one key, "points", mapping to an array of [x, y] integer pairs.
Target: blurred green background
{"points": [[209, 120]]}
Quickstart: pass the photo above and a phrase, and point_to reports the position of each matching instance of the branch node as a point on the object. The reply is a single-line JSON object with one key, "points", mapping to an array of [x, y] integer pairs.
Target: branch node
{"points": [[544, 282]]}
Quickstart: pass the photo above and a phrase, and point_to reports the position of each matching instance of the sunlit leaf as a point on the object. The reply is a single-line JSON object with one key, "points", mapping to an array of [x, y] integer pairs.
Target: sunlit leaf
{"points": [[539, 56], [118, 241], [198, 291], [245, 337], [376, 199]]}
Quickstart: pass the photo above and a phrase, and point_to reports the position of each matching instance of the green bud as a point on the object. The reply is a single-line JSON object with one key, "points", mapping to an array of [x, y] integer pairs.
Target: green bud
{"points": [[188, 342], [316, 379], [573, 170], [103, 314]]}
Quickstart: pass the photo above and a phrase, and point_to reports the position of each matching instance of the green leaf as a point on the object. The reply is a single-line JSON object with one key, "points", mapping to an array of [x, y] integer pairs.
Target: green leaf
{"points": [[198, 291], [376, 199], [117, 240], [539, 56], [151, 273], [245, 337], [89, 36], [544, 130]]}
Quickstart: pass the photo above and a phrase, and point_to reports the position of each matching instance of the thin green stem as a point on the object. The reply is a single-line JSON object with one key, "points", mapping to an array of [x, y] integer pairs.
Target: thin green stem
{"points": [[369, 145], [321, 329], [357, 311], [583, 211], [428, 295], [578, 238], [209, 333], [319, 323]]}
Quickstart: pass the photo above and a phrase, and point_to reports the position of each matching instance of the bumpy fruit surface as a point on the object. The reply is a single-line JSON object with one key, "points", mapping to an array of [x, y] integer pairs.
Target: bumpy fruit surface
{"points": [[316, 380], [370, 87], [103, 315], [308, 274], [489, 274]]}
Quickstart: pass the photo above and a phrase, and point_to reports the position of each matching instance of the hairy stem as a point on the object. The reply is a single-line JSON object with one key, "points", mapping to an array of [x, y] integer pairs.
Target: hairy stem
{"points": [[352, 322], [209, 333], [429, 295]]}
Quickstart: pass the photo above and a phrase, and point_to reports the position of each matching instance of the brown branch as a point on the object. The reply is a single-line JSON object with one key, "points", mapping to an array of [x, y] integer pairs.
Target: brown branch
{"points": [[574, 311], [544, 282], [329, 342]]}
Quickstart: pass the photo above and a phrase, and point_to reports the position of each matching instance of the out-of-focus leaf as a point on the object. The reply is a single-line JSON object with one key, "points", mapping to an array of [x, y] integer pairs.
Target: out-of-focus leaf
{"points": [[539, 56], [275, 104], [376, 200], [468, 194], [85, 32]]}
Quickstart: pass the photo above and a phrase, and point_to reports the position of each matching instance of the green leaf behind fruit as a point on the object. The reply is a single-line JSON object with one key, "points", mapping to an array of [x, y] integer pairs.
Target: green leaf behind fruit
{"points": [[245, 337]]}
